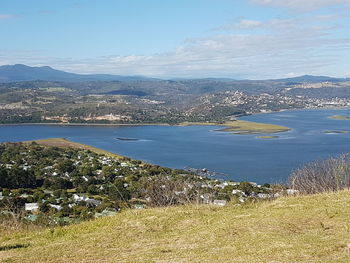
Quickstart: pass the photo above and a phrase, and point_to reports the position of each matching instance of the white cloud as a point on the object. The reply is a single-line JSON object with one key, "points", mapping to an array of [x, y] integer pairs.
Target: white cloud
{"points": [[320, 22], [246, 24], [284, 47], [256, 56], [232, 55], [274, 24], [6, 16], [302, 5]]}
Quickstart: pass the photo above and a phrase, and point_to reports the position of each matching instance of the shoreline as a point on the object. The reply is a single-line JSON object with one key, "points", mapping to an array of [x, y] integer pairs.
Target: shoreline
{"points": [[301, 109], [84, 124], [237, 127], [167, 124], [66, 143]]}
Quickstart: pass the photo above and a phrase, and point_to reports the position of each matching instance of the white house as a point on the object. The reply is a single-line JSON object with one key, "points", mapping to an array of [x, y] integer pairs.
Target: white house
{"points": [[89, 201], [292, 192], [94, 202], [264, 196], [124, 165], [78, 198], [219, 202], [31, 207], [236, 191], [57, 207]]}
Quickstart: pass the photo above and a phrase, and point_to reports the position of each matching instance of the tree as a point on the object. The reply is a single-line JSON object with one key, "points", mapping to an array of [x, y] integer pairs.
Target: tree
{"points": [[65, 165], [19, 178], [118, 192], [108, 172], [246, 187], [44, 207], [4, 179]]}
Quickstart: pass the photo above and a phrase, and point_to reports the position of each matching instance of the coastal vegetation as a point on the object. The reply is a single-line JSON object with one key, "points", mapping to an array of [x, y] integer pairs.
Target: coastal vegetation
{"points": [[58, 182]]}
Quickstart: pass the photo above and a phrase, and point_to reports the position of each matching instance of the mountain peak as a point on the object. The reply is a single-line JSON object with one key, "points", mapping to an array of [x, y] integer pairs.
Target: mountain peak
{"points": [[21, 72]]}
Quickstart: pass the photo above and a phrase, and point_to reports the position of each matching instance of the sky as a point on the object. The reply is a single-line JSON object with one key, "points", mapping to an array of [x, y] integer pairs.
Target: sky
{"points": [[240, 39]]}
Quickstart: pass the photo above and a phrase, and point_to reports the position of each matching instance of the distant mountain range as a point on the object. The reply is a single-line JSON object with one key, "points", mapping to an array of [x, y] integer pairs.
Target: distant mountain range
{"points": [[19, 72], [310, 78]]}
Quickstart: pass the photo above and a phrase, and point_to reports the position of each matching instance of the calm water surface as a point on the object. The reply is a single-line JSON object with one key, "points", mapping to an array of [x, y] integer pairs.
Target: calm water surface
{"points": [[241, 157]]}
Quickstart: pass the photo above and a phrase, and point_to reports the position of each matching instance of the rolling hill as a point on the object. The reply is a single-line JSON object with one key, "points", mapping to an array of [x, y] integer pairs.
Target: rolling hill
{"points": [[293, 229], [312, 79], [19, 72]]}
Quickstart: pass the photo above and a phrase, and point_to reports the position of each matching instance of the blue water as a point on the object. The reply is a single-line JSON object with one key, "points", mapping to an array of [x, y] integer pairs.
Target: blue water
{"points": [[241, 157]]}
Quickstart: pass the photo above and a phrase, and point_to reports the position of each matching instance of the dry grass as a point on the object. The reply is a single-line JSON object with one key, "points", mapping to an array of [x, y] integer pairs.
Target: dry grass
{"points": [[244, 127], [297, 229]]}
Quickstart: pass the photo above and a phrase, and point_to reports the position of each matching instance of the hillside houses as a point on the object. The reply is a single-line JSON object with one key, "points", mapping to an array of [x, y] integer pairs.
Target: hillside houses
{"points": [[77, 184], [31, 207]]}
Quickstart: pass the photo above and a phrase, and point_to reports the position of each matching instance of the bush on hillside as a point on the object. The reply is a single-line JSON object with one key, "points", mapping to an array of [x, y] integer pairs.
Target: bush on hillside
{"points": [[161, 190], [323, 176]]}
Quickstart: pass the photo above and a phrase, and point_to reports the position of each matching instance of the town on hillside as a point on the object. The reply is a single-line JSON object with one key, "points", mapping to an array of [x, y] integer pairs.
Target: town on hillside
{"points": [[56, 185]]}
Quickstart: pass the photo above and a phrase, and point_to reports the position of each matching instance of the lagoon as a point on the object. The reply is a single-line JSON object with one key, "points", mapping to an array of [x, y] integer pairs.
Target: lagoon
{"points": [[263, 158]]}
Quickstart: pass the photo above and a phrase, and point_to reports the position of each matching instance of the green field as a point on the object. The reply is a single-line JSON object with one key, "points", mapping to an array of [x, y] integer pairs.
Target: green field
{"points": [[244, 127], [295, 229]]}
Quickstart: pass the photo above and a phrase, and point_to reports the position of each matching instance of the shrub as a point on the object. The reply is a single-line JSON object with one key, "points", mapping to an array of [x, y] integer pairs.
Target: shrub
{"points": [[161, 190], [322, 176]]}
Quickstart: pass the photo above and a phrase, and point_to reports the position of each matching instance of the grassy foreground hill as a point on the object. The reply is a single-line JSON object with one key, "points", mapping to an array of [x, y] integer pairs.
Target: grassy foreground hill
{"points": [[312, 228]]}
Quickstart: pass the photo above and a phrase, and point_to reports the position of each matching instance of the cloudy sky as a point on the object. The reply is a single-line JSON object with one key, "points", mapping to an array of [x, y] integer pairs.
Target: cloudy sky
{"points": [[242, 39]]}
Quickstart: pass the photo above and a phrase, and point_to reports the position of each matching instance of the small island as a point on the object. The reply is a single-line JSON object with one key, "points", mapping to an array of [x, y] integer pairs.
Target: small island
{"points": [[243, 127], [126, 139], [335, 132], [267, 137], [340, 117]]}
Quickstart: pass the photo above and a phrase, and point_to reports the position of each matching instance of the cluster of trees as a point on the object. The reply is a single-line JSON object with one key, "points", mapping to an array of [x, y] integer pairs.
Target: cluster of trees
{"points": [[16, 177]]}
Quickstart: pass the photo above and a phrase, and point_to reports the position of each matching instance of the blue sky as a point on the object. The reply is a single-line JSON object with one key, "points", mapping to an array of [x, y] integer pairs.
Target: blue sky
{"points": [[253, 39]]}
